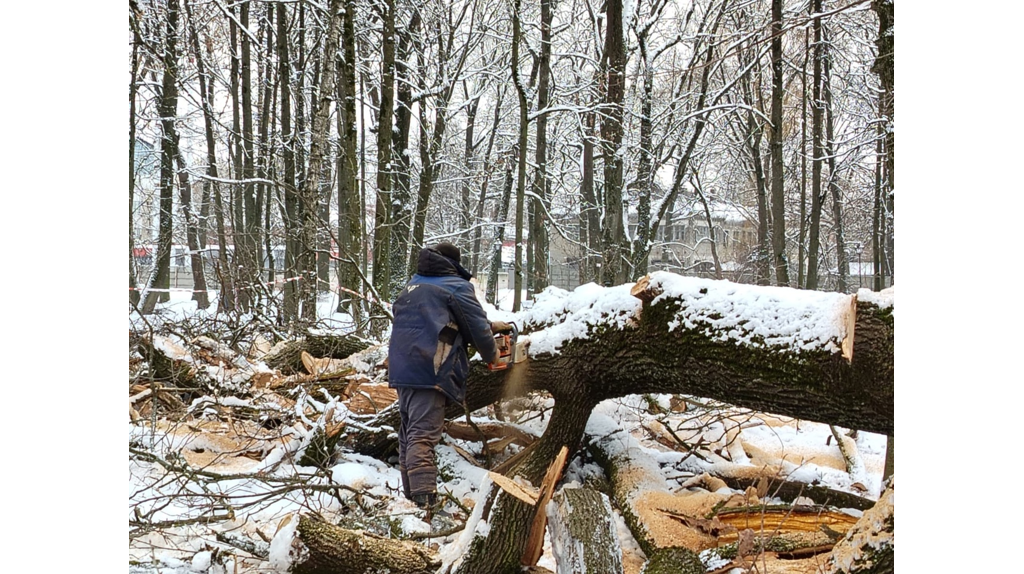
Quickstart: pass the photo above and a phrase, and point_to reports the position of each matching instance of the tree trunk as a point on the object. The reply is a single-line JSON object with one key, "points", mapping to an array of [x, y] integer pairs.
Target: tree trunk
{"points": [[833, 177], [477, 267], [199, 294], [499, 231], [350, 247], [133, 283], [310, 194], [582, 530], [249, 248], [168, 110], [288, 359], [590, 208], [382, 219], [613, 239], [884, 66], [524, 126], [292, 207], [816, 138], [778, 193], [402, 203], [538, 231]]}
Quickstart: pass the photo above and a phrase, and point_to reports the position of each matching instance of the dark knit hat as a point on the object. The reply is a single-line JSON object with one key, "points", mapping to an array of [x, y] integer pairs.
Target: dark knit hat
{"points": [[450, 251]]}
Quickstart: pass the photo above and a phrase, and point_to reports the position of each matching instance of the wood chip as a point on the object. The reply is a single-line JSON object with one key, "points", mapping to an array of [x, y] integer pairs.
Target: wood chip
{"points": [[527, 494]]}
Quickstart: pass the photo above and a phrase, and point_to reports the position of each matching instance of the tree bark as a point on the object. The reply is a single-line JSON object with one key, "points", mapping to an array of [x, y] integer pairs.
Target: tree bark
{"points": [[538, 231], [778, 193], [383, 219], [168, 110], [350, 214], [582, 530], [310, 194], [816, 138], [331, 549], [524, 126], [613, 239]]}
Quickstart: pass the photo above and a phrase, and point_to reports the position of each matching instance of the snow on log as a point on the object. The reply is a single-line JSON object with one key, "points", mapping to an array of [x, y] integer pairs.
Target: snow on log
{"points": [[824, 357], [307, 545], [582, 531], [870, 546]]}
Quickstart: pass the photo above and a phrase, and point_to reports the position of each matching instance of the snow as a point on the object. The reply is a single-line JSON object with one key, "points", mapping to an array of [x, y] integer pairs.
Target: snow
{"points": [[733, 441], [282, 546], [757, 316]]}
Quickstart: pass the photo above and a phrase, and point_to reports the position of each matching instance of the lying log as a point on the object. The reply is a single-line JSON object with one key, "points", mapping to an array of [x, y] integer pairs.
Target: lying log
{"points": [[288, 358], [869, 547], [308, 545], [582, 531], [166, 362]]}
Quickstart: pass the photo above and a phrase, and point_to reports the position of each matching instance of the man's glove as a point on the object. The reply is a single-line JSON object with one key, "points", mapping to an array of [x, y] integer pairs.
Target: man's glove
{"points": [[500, 327]]}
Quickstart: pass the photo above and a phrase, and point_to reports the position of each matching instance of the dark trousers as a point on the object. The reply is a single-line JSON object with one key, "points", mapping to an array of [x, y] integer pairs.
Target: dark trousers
{"points": [[422, 413]]}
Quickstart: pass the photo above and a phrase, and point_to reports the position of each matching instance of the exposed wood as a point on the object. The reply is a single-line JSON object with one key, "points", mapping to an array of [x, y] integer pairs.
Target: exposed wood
{"points": [[535, 540], [526, 493]]}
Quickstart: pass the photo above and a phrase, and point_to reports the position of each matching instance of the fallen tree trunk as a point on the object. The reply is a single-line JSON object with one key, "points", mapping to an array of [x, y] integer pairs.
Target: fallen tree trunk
{"points": [[312, 546], [822, 357]]}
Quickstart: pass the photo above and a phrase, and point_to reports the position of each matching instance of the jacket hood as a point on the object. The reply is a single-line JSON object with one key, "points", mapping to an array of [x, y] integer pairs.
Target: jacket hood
{"points": [[431, 263]]}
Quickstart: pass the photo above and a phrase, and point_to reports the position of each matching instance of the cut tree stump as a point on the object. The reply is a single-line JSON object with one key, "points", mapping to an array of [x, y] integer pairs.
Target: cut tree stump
{"points": [[583, 533]]}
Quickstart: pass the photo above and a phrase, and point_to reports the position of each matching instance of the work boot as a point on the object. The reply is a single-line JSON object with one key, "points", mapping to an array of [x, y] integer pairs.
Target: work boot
{"points": [[425, 500]]}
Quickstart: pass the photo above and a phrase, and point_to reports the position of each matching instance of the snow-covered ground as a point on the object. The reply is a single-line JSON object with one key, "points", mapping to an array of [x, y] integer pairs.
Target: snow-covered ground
{"points": [[232, 480]]}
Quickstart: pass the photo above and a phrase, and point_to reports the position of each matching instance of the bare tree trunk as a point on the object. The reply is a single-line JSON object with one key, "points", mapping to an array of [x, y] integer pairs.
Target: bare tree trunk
{"points": [[833, 177], [778, 193], [168, 110], [499, 231], [538, 232], [884, 67], [801, 247], [292, 207], [349, 211], [383, 221], [249, 259], [465, 196], [590, 211], [310, 193], [199, 294], [816, 138], [644, 176], [402, 202], [133, 283], [711, 225], [524, 127], [614, 270], [477, 267]]}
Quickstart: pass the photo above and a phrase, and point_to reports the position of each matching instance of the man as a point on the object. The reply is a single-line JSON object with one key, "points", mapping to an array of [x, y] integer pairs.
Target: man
{"points": [[437, 316]]}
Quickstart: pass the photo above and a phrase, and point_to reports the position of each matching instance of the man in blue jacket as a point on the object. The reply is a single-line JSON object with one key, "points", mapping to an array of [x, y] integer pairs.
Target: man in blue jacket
{"points": [[437, 316]]}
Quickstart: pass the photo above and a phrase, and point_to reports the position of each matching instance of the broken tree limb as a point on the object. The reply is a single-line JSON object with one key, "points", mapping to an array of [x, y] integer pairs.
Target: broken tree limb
{"points": [[317, 547], [582, 531], [535, 540]]}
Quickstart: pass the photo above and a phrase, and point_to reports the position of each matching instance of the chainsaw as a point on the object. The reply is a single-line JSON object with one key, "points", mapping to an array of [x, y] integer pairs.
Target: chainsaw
{"points": [[508, 353]]}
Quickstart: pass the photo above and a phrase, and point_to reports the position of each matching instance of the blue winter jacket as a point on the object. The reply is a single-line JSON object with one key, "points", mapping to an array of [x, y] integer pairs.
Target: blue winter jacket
{"points": [[437, 316]]}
